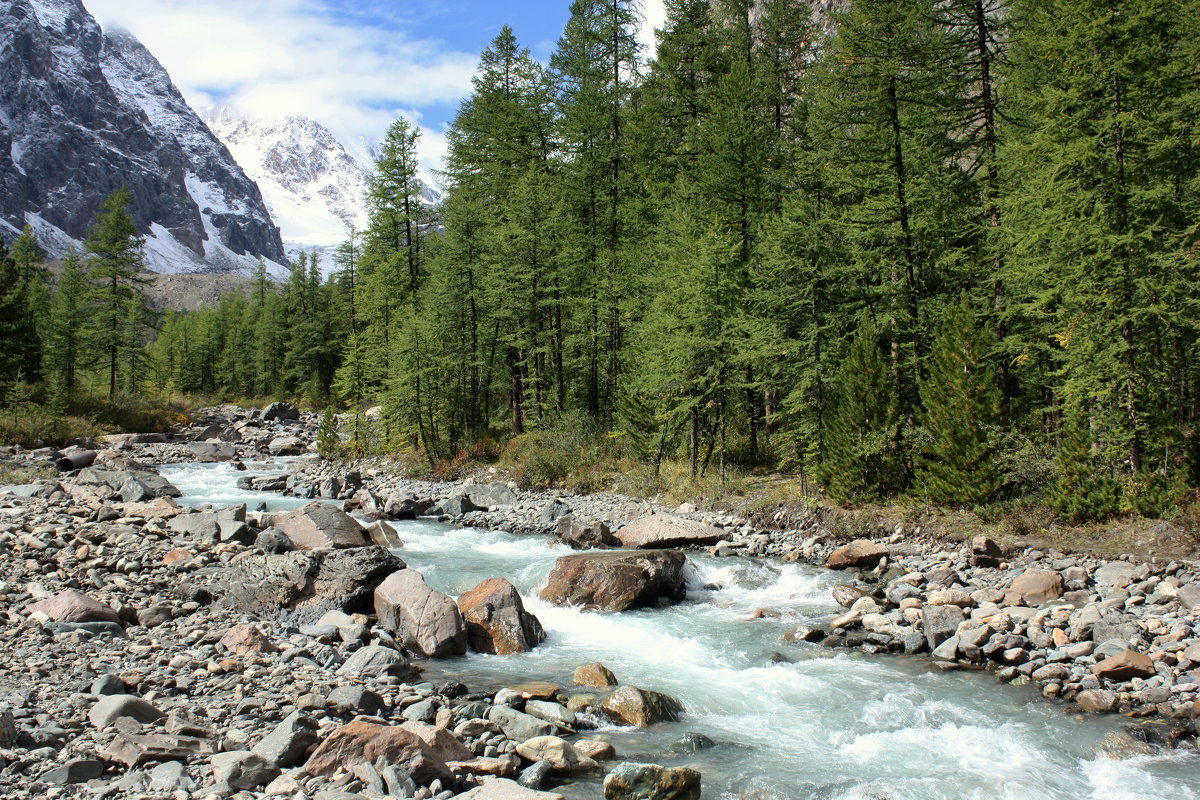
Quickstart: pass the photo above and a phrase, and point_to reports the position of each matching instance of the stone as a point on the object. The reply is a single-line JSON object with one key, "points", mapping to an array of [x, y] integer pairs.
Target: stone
{"points": [[939, 623], [551, 712], [384, 535], [504, 789], [356, 700], [584, 534], [563, 757], [280, 411], [1097, 700], [594, 674], [985, 552], [1189, 595], [308, 583], [845, 595], [496, 619], [366, 742], [949, 597], [286, 446], [1117, 574], [662, 531], [519, 726], [536, 775], [629, 705], [1113, 626], [111, 707], [492, 496], [375, 661], [440, 743], [1124, 666], [859, 554], [425, 621], [242, 769], [455, 506], [553, 511], [243, 639], [320, 525], [632, 781], [617, 581], [595, 749], [505, 766], [134, 750], [1037, 587], [71, 605], [289, 742], [77, 770], [402, 506]]}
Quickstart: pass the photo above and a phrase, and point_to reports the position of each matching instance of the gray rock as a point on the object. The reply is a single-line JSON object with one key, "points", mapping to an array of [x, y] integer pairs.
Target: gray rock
{"points": [[940, 623], [492, 496], [375, 660], [584, 534], [307, 584], [242, 769], [632, 781], [107, 684], [551, 712], [77, 770], [320, 525], [280, 411], [518, 726], [111, 707], [536, 775], [665, 531], [426, 621], [553, 511], [355, 700], [290, 741]]}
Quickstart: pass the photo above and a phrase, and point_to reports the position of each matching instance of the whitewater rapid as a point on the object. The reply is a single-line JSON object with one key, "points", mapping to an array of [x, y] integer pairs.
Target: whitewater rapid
{"points": [[790, 720]]}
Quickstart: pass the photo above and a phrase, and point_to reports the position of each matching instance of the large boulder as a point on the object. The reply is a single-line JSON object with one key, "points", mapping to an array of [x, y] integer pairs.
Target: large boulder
{"points": [[518, 725], [365, 742], [492, 495], [71, 605], [280, 411], [227, 524], [303, 585], [617, 581], [319, 525], [584, 534], [642, 708], [426, 621], [664, 530], [1035, 587], [632, 781], [561, 754], [859, 554], [496, 619]]}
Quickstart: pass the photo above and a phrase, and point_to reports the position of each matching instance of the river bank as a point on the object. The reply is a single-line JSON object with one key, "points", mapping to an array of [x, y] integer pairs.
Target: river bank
{"points": [[745, 630]]}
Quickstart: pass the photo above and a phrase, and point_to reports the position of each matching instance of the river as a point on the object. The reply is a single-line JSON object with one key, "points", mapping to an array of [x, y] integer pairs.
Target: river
{"points": [[790, 721]]}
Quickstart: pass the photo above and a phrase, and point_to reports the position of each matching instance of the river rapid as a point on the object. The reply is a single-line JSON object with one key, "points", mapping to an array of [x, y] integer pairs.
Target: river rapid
{"points": [[790, 721]]}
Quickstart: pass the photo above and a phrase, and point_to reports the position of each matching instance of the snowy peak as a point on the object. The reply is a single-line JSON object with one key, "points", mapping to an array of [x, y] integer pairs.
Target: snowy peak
{"points": [[315, 189], [83, 112]]}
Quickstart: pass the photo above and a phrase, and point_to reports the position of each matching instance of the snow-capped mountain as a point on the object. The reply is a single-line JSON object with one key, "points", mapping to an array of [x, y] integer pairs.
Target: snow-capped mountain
{"points": [[314, 184], [83, 112], [314, 189]]}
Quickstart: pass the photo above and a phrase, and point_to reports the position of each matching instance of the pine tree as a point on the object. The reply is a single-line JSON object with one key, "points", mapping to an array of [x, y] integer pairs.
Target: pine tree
{"points": [[18, 330], [958, 464], [1085, 490], [69, 328], [115, 259]]}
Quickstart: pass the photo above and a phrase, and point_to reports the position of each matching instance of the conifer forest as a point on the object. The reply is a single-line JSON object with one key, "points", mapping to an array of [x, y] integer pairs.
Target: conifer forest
{"points": [[934, 249]]}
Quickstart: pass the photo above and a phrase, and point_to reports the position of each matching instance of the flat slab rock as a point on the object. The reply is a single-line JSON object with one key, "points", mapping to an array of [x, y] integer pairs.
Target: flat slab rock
{"points": [[664, 530], [504, 789], [318, 525]]}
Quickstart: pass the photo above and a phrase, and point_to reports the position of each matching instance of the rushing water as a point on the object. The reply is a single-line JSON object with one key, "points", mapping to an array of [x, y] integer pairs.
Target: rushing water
{"points": [[790, 720]]}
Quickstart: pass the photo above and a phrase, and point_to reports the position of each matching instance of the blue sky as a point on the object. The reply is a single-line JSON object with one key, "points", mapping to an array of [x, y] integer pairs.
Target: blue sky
{"points": [[353, 66]]}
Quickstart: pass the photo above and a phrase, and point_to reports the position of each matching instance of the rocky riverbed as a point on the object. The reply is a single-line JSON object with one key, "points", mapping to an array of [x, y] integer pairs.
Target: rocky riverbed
{"points": [[152, 650]]}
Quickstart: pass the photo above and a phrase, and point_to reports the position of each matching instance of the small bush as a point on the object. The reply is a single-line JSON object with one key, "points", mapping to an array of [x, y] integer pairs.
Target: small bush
{"points": [[1027, 519]]}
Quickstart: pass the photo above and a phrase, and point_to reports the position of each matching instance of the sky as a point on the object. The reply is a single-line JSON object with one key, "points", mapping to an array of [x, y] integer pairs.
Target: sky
{"points": [[352, 65]]}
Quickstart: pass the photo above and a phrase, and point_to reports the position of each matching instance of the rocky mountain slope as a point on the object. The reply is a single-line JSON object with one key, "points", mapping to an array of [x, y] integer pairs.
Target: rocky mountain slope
{"points": [[83, 112]]}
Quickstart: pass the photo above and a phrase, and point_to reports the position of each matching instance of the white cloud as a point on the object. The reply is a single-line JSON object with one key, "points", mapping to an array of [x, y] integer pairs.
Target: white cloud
{"points": [[655, 13], [271, 58]]}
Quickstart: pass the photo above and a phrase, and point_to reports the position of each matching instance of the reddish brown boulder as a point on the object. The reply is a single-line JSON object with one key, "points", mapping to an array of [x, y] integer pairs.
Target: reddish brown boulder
{"points": [[664, 530], [242, 639], [1125, 665], [629, 705], [441, 743], [859, 554], [363, 742], [595, 674], [70, 605], [427, 622], [496, 619], [1036, 587], [617, 581]]}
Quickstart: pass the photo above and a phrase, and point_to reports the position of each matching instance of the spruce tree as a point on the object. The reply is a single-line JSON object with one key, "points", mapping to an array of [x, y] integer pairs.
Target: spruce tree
{"points": [[69, 328], [115, 259], [958, 464]]}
